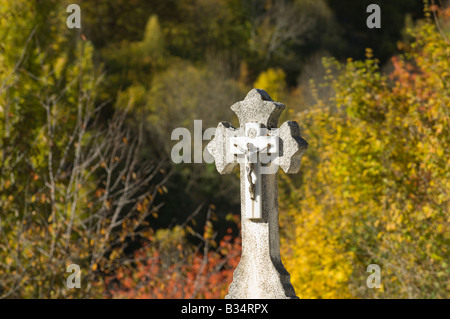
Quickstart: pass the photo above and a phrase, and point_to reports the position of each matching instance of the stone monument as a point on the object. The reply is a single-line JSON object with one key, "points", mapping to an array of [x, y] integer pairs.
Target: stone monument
{"points": [[260, 148]]}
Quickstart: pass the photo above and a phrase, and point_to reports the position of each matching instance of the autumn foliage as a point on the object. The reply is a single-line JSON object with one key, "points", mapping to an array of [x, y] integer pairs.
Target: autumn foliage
{"points": [[86, 117], [169, 268], [376, 177]]}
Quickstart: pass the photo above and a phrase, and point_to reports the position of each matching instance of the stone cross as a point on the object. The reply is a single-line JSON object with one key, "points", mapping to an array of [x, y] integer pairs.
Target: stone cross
{"points": [[260, 148]]}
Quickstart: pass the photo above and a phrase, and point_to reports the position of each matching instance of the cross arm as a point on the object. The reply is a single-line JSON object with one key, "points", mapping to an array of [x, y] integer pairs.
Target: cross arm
{"points": [[292, 146], [219, 148]]}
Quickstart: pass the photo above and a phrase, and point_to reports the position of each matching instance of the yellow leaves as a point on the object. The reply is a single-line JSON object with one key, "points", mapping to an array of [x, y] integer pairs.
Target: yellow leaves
{"points": [[409, 207], [208, 231], [272, 81], [391, 226], [42, 198], [374, 185], [163, 189], [94, 267], [9, 260], [317, 262], [436, 257], [427, 211], [59, 65]]}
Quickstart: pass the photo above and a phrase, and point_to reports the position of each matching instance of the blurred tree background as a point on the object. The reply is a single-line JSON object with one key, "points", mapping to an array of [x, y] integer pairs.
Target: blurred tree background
{"points": [[86, 117]]}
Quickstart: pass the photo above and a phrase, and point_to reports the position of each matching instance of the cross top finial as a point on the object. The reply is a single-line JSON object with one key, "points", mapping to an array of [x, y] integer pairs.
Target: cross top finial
{"points": [[258, 107]]}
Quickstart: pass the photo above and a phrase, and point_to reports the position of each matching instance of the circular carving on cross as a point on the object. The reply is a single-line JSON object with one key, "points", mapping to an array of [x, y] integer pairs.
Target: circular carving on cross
{"points": [[251, 133]]}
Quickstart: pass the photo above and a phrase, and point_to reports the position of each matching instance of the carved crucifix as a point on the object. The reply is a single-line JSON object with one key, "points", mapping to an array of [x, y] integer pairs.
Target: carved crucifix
{"points": [[253, 145], [260, 148]]}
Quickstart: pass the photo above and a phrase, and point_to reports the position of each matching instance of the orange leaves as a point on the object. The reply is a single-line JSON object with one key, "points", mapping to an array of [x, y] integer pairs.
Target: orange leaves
{"points": [[189, 275], [163, 190], [99, 192]]}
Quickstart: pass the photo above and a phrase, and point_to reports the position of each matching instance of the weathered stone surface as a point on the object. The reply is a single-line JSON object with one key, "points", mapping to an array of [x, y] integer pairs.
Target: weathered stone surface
{"points": [[292, 147], [260, 273], [258, 107], [219, 145]]}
